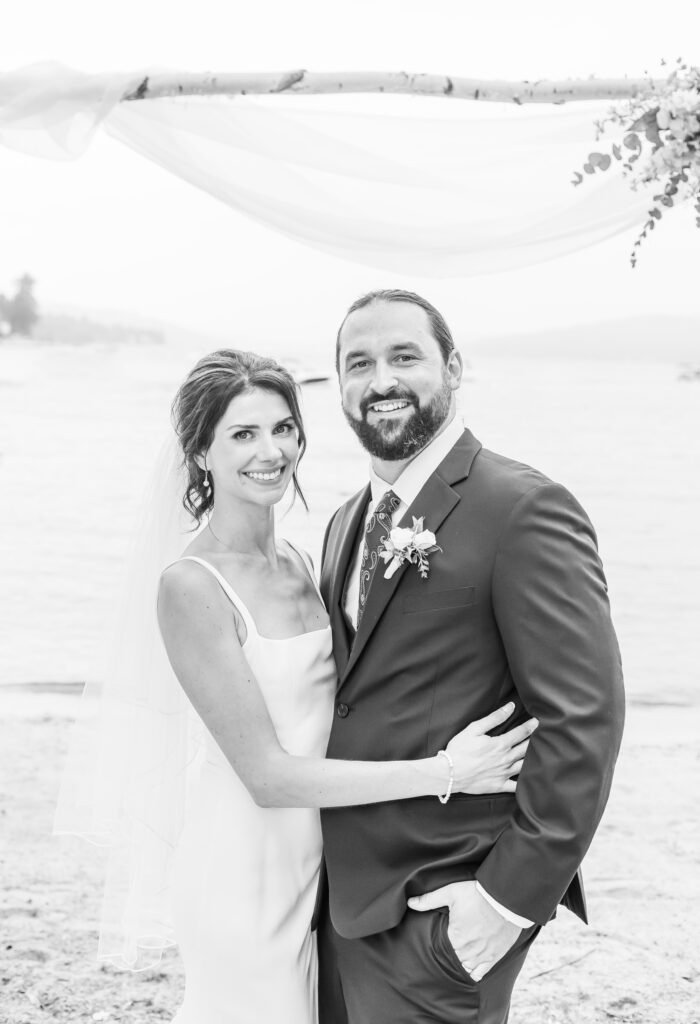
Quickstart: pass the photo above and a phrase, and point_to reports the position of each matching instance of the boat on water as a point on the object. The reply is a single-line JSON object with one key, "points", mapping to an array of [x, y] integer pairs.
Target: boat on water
{"points": [[306, 373], [689, 371], [312, 378]]}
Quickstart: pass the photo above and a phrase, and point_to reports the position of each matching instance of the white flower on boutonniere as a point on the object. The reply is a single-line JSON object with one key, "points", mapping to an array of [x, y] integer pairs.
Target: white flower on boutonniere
{"points": [[408, 544]]}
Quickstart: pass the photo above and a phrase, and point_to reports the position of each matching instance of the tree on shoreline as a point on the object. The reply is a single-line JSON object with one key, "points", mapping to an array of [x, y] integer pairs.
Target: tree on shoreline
{"points": [[19, 314], [4, 317]]}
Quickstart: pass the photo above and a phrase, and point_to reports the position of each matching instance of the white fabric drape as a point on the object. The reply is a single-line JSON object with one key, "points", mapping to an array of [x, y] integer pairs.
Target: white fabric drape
{"points": [[421, 187], [124, 784]]}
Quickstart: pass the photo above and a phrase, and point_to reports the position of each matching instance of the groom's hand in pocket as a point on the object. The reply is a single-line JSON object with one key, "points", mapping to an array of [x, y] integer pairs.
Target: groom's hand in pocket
{"points": [[480, 935]]}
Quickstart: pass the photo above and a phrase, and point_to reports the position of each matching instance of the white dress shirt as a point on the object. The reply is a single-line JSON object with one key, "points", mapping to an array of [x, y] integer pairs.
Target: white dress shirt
{"points": [[406, 488]]}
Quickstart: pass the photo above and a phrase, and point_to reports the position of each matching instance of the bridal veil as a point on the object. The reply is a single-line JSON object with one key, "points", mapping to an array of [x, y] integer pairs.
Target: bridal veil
{"points": [[125, 780]]}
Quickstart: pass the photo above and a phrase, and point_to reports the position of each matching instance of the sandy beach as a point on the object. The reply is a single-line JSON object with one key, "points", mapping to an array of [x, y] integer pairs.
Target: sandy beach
{"points": [[636, 962], [77, 434]]}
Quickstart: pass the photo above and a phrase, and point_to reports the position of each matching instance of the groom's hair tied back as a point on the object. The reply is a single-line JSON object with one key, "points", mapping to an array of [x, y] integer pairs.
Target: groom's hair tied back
{"points": [[441, 332], [204, 397]]}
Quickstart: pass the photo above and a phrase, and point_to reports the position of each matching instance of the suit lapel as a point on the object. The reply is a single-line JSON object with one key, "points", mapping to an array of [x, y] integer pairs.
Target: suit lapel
{"points": [[434, 503], [339, 558]]}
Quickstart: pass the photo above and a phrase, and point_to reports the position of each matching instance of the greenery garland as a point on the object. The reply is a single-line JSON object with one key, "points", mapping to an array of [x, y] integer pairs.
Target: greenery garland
{"points": [[661, 143]]}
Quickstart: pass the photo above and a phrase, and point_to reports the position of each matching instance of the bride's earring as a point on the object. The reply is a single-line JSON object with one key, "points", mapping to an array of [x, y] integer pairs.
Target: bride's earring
{"points": [[205, 483]]}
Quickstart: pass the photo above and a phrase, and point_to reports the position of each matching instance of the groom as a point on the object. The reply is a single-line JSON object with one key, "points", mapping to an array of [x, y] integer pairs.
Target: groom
{"points": [[430, 908]]}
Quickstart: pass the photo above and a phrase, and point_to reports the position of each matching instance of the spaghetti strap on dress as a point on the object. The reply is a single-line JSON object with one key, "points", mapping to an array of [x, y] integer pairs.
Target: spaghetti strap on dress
{"points": [[227, 589]]}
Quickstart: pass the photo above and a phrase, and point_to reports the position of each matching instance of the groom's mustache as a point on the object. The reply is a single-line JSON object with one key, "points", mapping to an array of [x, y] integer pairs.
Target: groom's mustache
{"points": [[395, 395]]}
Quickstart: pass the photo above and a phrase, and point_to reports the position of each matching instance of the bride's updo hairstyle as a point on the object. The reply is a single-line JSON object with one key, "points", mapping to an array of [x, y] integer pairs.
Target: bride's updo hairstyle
{"points": [[203, 399]]}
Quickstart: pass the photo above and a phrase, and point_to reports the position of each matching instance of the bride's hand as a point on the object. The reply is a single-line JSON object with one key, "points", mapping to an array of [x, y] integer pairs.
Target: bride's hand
{"points": [[486, 764]]}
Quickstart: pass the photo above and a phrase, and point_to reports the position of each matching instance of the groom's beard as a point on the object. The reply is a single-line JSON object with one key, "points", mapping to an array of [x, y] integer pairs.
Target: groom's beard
{"points": [[392, 441]]}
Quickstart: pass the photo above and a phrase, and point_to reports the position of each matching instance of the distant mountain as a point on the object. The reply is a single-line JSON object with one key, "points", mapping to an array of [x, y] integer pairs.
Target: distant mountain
{"points": [[654, 338], [75, 325], [658, 338], [65, 329]]}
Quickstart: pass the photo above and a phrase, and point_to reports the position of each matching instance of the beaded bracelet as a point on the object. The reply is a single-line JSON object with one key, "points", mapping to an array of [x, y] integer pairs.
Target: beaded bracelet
{"points": [[451, 781]]}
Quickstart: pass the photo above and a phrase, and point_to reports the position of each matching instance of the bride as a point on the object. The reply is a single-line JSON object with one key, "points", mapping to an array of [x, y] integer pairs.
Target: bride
{"points": [[205, 774]]}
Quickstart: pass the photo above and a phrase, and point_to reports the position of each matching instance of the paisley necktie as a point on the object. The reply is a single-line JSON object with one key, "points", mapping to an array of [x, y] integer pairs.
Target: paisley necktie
{"points": [[376, 532]]}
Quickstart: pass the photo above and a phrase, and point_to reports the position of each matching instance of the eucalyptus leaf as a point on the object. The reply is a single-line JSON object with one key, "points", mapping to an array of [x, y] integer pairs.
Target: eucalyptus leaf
{"points": [[652, 134], [645, 121]]}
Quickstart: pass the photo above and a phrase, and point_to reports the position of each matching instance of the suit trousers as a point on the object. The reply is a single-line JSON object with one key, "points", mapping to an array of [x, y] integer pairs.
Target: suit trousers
{"points": [[411, 975]]}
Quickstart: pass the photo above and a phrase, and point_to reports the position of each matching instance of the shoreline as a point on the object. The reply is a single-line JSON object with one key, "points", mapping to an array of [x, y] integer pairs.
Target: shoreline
{"points": [[658, 726], [32, 697]]}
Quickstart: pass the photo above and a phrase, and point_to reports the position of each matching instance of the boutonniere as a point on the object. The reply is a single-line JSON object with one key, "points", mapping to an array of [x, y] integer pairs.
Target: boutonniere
{"points": [[408, 544]]}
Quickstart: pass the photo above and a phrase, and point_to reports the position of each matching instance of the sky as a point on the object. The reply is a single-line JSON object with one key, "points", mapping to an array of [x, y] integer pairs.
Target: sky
{"points": [[110, 231]]}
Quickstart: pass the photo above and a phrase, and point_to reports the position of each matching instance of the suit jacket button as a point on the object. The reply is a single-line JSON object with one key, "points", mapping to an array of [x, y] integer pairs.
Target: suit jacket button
{"points": [[343, 710]]}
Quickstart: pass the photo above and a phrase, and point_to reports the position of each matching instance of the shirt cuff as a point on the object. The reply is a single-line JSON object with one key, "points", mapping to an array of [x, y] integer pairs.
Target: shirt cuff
{"points": [[516, 919]]}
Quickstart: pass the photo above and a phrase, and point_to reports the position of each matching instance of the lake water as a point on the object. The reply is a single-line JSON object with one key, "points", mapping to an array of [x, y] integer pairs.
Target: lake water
{"points": [[79, 428]]}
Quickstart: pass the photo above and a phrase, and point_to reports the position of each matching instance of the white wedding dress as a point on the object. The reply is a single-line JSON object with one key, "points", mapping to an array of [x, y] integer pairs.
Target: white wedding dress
{"points": [[245, 876]]}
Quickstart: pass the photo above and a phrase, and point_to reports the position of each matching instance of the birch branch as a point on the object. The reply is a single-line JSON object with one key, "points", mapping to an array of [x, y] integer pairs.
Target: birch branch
{"points": [[301, 82]]}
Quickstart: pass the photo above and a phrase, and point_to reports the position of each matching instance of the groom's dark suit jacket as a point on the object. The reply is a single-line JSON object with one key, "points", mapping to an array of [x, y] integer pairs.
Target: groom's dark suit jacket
{"points": [[515, 608]]}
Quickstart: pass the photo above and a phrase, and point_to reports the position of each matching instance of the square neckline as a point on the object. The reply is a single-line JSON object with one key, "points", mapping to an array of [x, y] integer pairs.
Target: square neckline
{"points": [[247, 615]]}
